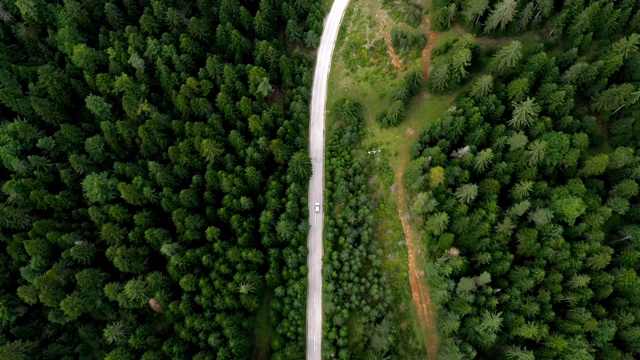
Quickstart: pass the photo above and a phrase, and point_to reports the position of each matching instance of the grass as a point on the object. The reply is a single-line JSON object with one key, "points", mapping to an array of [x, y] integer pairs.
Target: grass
{"points": [[396, 140], [391, 240], [450, 34], [374, 87], [387, 225], [373, 80], [375, 84]]}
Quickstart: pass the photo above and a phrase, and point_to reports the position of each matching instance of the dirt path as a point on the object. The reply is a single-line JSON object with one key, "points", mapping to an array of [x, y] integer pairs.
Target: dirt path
{"points": [[419, 290], [387, 40], [426, 53]]}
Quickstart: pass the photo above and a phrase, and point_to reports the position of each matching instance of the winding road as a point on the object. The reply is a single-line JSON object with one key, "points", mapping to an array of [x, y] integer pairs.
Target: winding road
{"points": [[316, 184]]}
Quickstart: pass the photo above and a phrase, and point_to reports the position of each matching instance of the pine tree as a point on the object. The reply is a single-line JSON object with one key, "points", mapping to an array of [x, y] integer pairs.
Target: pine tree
{"points": [[482, 160], [440, 78], [474, 9], [502, 14], [437, 223], [536, 152], [300, 166], [524, 113], [615, 98], [595, 165], [467, 193], [482, 87], [507, 58], [210, 150], [627, 46], [116, 333]]}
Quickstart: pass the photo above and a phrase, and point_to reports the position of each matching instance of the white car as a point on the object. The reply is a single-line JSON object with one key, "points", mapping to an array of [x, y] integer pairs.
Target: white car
{"points": [[317, 207]]}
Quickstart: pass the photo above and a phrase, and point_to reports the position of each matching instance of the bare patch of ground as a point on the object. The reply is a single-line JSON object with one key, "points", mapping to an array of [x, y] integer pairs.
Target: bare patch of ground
{"points": [[419, 290], [426, 53], [387, 40]]}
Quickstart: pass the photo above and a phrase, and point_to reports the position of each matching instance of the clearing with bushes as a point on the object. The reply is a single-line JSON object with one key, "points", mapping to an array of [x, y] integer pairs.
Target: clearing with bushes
{"points": [[523, 187]]}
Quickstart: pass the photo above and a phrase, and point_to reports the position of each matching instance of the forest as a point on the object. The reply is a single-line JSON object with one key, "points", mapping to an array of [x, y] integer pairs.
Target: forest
{"points": [[360, 311], [154, 178], [528, 183]]}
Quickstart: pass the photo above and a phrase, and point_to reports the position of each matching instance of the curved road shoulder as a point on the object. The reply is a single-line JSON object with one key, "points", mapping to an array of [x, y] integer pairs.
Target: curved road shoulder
{"points": [[316, 184]]}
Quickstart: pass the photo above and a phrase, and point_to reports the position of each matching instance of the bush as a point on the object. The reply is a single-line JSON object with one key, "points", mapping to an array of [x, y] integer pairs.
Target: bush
{"points": [[443, 17], [413, 14], [408, 11], [406, 42], [442, 48], [394, 115]]}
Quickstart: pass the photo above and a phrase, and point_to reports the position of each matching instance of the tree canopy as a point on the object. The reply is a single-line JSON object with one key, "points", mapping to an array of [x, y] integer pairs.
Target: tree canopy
{"points": [[154, 172], [533, 222]]}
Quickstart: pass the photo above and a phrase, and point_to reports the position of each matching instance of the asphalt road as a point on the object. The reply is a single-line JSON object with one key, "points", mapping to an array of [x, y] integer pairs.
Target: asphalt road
{"points": [[316, 184]]}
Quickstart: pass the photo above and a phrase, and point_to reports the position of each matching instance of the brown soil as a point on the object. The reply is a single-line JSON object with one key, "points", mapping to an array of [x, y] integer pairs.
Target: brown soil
{"points": [[386, 33], [419, 290], [426, 53]]}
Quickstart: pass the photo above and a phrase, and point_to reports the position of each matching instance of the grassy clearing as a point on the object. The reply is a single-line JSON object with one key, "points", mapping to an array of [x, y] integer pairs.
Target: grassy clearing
{"points": [[373, 81], [396, 141], [452, 33], [393, 245], [362, 45], [362, 70], [528, 39]]}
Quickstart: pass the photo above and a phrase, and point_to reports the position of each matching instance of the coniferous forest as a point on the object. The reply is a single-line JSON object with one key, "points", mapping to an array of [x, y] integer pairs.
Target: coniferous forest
{"points": [[528, 184], [154, 177], [153, 192]]}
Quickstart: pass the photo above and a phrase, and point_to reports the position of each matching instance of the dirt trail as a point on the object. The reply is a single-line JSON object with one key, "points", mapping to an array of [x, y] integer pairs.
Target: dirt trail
{"points": [[419, 290], [426, 53], [387, 40]]}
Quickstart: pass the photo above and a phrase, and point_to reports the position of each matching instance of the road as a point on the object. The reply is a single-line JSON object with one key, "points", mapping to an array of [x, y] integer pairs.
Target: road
{"points": [[316, 184]]}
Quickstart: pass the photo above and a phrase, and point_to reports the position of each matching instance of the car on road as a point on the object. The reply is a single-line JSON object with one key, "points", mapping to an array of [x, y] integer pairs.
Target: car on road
{"points": [[317, 207]]}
